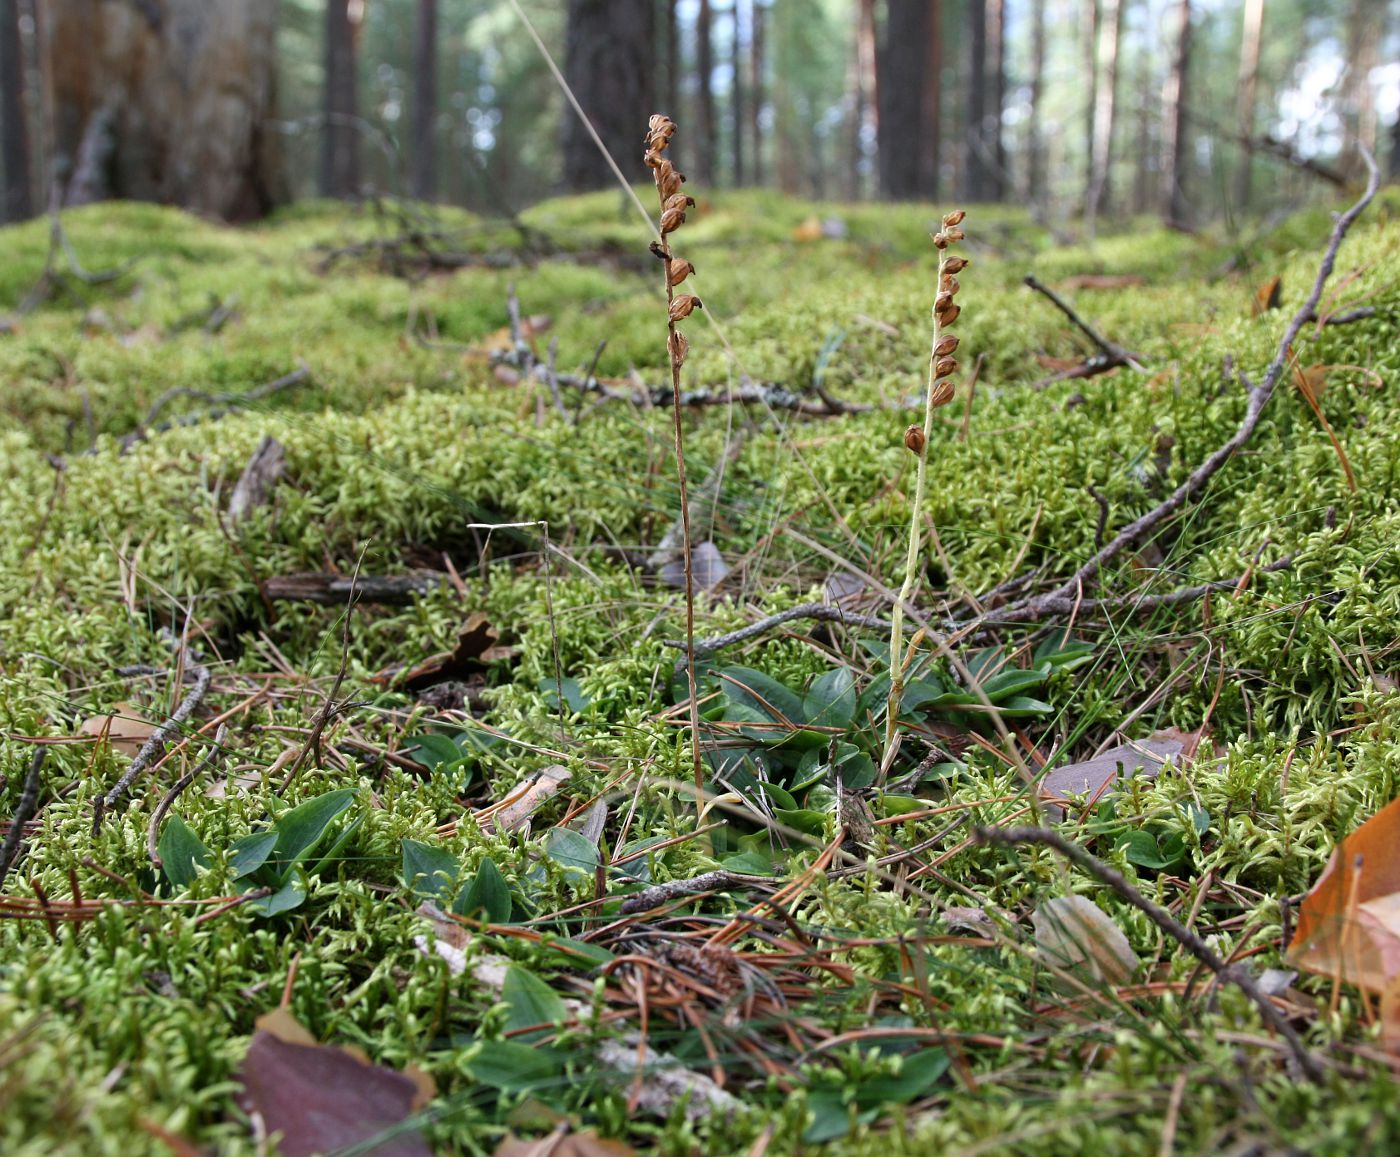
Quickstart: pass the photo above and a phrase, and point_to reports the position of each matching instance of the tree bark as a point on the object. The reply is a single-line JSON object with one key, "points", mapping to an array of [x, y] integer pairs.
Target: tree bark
{"points": [[1174, 101], [931, 103], [1364, 30], [976, 171], [168, 102], [340, 138], [671, 51], [1035, 145], [1251, 40], [737, 120], [16, 199], [1105, 111], [864, 119], [704, 97], [610, 65], [900, 94], [994, 144], [1089, 30], [424, 184], [757, 90]]}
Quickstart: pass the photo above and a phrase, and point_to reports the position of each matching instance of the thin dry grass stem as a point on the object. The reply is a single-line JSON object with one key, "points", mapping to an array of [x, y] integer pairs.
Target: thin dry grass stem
{"points": [[679, 306], [941, 365]]}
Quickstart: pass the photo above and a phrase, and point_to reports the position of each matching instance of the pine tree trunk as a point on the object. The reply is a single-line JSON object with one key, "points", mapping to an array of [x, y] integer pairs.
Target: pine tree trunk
{"points": [[737, 122], [758, 93], [424, 185], [16, 199], [975, 166], [671, 50], [705, 134], [1089, 31], [1364, 30], [1174, 101], [931, 103], [1105, 110], [340, 138], [164, 102], [991, 135], [610, 65], [1035, 145], [900, 93], [1251, 39]]}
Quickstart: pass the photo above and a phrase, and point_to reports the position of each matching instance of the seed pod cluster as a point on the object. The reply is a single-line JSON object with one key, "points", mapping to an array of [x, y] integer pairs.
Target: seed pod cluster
{"points": [[942, 364], [674, 203]]}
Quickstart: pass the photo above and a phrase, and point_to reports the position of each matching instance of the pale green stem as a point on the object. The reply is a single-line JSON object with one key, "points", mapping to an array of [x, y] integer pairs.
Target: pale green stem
{"points": [[899, 660]]}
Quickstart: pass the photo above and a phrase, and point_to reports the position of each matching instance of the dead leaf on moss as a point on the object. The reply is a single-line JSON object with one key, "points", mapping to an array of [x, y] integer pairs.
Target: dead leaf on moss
{"points": [[126, 730], [1268, 296], [557, 1144], [1092, 779], [321, 1099], [1075, 935], [524, 800], [1349, 924]]}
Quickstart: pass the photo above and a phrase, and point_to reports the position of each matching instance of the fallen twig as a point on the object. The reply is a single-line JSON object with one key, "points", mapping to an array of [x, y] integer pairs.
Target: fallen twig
{"points": [[1111, 355], [1053, 602], [335, 589], [820, 612], [1009, 837], [231, 401], [24, 812], [153, 828], [155, 743], [658, 894]]}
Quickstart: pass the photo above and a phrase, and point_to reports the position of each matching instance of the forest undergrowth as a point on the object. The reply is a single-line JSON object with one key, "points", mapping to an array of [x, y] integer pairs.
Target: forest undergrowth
{"points": [[353, 536]]}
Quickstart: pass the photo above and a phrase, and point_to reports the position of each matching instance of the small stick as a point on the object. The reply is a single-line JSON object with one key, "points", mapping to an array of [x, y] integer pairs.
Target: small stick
{"points": [[1111, 350], [658, 894], [821, 612], [24, 812], [174, 793], [155, 743], [1009, 837]]}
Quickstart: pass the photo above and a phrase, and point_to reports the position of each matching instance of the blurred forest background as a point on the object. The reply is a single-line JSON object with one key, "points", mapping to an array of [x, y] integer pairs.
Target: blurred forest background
{"points": [[1197, 111]]}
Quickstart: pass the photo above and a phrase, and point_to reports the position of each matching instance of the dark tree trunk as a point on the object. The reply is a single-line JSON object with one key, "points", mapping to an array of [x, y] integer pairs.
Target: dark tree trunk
{"points": [[16, 203], [931, 103], [671, 51], [757, 88], [1174, 125], [1105, 111], [1365, 27], [736, 97], [340, 139], [976, 167], [863, 118], [1089, 31], [610, 64], [424, 185], [704, 97], [1251, 41], [991, 136], [1035, 145], [164, 102], [900, 95]]}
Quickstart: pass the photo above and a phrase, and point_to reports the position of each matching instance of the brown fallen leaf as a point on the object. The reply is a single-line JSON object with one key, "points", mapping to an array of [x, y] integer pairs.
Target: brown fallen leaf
{"points": [[1092, 779], [560, 1144], [1349, 924], [478, 645], [1268, 296], [524, 800], [126, 730], [321, 1099]]}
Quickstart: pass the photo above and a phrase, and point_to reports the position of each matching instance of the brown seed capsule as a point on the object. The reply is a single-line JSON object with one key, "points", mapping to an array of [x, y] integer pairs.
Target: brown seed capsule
{"points": [[954, 234], [942, 393], [683, 304], [954, 218], [679, 201], [679, 270], [914, 440], [946, 345], [940, 241], [678, 347], [950, 284], [954, 264], [944, 367], [942, 301], [672, 219], [949, 315], [668, 180]]}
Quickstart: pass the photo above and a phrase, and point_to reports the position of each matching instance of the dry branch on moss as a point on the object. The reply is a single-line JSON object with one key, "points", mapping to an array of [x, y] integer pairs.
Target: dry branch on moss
{"points": [[1111, 355], [24, 812]]}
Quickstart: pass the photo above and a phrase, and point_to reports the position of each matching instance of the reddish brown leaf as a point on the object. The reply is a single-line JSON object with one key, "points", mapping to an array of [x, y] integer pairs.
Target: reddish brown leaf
{"points": [[323, 1099]]}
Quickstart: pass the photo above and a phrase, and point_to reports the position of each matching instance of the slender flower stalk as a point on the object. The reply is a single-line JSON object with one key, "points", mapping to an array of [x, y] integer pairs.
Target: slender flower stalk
{"points": [[941, 365], [679, 306]]}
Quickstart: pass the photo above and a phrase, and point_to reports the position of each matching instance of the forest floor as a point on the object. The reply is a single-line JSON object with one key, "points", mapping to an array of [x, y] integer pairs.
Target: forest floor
{"points": [[435, 822]]}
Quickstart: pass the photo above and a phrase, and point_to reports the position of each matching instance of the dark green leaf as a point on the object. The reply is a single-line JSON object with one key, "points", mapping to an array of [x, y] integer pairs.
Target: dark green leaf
{"points": [[181, 852], [830, 1116], [1141, 849], [433, 750], [571, 850], [302, 828], [428, 870], [831, 700], [488, 893], [251, 852], [290, 895], [755, 689], [803, 820], [918, 1073], [1020, 707], [580, 952], [530, 1001], [1004, 684], [515, 1067]]}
